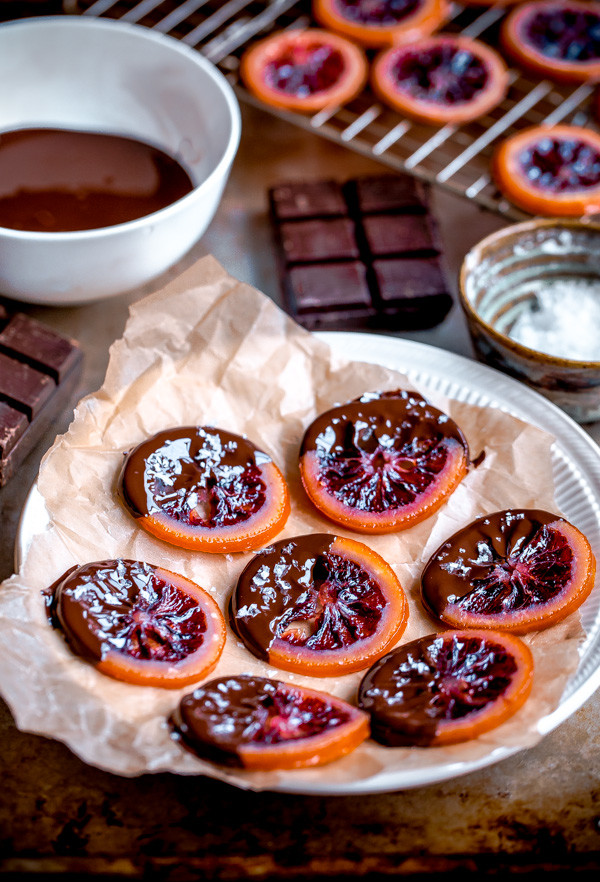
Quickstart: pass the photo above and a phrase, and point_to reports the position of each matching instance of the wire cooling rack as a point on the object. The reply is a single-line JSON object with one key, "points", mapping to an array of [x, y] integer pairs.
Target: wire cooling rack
{"points": [[456, 158]]}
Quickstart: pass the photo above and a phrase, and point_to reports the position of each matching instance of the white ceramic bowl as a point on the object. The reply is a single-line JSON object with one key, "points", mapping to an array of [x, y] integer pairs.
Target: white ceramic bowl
{"points": [[103, 75]]}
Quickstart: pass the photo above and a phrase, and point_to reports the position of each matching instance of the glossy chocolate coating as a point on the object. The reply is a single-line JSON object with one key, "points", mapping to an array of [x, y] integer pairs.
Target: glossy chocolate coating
{"points": [[179, 470], [55, 180], [457, 572], [295, 590], [404, 416], [412, 689], [227, 713], [395, 433], [117, 605]]}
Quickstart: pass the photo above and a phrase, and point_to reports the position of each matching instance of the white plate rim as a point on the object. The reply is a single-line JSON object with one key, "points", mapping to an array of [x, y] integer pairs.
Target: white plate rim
{"points": [[460, 377]]}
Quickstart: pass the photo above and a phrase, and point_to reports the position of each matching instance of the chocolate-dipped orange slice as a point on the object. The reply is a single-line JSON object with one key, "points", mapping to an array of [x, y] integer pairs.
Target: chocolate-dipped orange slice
{"points": [[262, 724], [318, 604], [446, 688], [204, 489], [382, 462], [138, 623], [514, 570]]}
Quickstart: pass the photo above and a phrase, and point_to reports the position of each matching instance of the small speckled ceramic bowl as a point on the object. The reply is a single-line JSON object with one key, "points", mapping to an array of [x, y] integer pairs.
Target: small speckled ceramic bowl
{"points": [[544, 276]]}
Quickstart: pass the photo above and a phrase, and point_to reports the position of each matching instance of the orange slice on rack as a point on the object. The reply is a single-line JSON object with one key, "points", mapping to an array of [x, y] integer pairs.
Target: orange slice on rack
{"points": [[263, 724], [559, 39], [552, 171], [446, 688], [384, 23], [138, 623], [304, 70], [441, 79]]}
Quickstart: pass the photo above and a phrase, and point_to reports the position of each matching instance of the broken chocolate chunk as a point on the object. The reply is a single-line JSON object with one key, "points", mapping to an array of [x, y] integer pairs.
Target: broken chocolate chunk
{"points": [[39, 371], [365, 254]]}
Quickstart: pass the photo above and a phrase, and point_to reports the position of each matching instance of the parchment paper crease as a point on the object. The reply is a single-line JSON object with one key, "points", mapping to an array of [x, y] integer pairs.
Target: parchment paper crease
{"points": [[210, 350]]}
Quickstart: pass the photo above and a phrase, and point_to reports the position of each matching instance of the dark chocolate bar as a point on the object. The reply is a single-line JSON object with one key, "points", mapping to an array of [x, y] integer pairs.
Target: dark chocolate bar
{"points": [[364, 254], [39, 371]]}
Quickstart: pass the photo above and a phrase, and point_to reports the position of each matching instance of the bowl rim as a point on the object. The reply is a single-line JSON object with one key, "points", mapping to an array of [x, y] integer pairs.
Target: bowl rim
{"points": [[75, 22], [473, 256]]}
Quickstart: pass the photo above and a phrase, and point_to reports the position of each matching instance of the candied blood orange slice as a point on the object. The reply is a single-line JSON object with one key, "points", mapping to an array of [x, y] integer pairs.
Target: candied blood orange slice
{"points": [[551, 171], [374, 23], [442, 79], [383, 462], [515, 570], [304, 70], [447, 687], [559, 39], [259, 723], [204, 489], [138, 623], [319, 605]]}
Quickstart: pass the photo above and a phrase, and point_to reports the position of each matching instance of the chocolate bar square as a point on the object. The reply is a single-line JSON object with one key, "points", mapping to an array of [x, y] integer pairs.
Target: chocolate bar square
{"points": [[311, 240], [374, 266], [39, 371], [302, 199], [400, 234], [375, 194], [414, 286]]}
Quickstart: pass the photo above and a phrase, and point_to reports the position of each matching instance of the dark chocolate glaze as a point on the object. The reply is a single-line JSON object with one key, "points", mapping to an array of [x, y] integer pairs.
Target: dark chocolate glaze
{"points": [[300, 591], [125, 606], [227, 713], [435, 678], [55, 180], [199, 475], [397, 440], [474, 567]]}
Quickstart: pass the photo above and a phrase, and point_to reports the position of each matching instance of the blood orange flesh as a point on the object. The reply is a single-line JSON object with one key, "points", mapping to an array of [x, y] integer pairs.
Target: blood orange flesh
{"points": [[204, 488], [447, 687], [138, 623], [260, 723], [515, 570], [442, 79], [559, 39], [551, 171], [304, 70], [384, 22], [318, 604], [383, 462]]}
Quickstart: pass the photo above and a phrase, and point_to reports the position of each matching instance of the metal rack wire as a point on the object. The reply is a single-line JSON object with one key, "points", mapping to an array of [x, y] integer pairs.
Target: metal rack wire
{"points": [[456, 158]]}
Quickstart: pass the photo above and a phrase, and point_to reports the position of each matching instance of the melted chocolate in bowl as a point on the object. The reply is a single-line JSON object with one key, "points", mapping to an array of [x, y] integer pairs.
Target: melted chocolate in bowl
{"points": [[300, 591], [125, 606], [195, 475], [55, 180]]}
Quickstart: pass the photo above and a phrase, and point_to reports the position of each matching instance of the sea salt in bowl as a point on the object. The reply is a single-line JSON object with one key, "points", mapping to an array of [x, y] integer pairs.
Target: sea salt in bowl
{"points": [[531, 296], [93, 75]]}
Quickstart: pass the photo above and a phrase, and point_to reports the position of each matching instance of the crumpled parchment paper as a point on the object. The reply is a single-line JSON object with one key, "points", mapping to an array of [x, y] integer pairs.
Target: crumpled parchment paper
{"points": [[211, 350]]}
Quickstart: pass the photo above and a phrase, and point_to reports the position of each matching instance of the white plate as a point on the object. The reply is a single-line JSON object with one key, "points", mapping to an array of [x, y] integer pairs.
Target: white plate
{"points": [[576, 466]]}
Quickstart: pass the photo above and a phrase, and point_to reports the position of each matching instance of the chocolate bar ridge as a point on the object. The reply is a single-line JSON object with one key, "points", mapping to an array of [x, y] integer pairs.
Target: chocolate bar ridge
{"points": [[363, 254], [39, 372]]}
